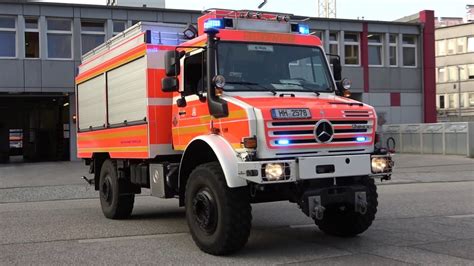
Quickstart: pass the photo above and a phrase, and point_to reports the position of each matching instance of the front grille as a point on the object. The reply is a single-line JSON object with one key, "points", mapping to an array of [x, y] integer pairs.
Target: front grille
{"points": [[355, 113], [300, 133]]}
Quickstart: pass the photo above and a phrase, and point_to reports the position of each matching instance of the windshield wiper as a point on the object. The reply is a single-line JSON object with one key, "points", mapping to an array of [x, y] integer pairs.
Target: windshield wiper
{"points": [[252, 83], [296, 84]]}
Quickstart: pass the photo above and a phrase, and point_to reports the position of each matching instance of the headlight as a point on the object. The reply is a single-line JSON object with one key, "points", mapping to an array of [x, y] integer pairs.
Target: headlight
{"points": [[274, 171], [219, 81], [381, 165]]}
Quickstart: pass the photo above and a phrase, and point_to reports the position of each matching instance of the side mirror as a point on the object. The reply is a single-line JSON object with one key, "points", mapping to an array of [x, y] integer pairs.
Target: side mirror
{"points": [[172, 63], [336, 68], [169, 84]]}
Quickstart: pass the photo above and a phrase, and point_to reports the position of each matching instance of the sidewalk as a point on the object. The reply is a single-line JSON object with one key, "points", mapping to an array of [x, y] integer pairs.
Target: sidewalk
{"points": [[42, 174], [432, 168], [408, 168], [62, 180]]}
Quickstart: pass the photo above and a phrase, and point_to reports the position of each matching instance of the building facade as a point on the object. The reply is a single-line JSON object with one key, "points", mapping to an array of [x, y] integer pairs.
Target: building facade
{"points": [[455, 72], [391, 65]]}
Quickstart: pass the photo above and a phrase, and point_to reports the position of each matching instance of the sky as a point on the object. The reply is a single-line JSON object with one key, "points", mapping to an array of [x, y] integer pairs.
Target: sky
{"points": [[349, 9]]}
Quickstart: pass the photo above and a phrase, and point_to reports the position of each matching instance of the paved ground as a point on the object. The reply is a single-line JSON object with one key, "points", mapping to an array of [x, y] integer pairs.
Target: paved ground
{"points": [[426, 216]]}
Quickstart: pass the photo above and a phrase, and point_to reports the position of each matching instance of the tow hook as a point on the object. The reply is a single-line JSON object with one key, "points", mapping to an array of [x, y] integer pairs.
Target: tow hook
{"points": [[89, 181], [361, 202], [386, 178], [316, 209]]}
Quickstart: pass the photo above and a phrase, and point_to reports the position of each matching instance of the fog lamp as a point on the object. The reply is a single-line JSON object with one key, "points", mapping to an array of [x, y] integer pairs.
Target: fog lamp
{"points": [[379, 164], [274, 171]]}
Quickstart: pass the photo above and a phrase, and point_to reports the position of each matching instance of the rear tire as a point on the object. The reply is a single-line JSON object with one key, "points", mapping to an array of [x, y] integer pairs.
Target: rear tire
{"points": [[347, 222], [218, 217], [114, 205]]}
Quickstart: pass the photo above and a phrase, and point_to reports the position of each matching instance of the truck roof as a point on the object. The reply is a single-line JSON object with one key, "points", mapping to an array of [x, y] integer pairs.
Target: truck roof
{"points": [[164, 33]]}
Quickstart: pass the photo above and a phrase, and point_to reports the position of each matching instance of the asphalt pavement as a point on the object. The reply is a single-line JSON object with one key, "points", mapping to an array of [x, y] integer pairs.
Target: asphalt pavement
{"points": [[49, 216]]}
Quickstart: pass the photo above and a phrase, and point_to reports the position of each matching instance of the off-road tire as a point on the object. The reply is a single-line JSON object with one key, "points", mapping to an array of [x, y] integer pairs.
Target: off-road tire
{"points": [[228, 227], [114, 204], [349, 223]]}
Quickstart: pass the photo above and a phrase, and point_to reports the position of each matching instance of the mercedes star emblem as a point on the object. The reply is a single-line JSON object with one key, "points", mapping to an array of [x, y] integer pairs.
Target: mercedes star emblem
{"points": [[323, 131]]}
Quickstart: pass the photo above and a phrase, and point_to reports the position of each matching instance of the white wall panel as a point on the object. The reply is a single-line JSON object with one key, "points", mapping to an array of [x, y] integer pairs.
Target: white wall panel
{"points": [[127, 92], [91, 97]]}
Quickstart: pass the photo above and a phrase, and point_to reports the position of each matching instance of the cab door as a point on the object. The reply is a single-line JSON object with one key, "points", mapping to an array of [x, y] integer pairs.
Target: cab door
{"points": [[193, 118]]}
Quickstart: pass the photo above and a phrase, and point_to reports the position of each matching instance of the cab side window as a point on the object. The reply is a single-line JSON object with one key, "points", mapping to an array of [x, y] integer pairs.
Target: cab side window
{"points": [[195, 74]]}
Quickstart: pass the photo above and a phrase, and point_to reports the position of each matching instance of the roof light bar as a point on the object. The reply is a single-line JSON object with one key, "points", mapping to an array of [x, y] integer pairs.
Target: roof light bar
{"points": [[215, 23], [303, 29]]}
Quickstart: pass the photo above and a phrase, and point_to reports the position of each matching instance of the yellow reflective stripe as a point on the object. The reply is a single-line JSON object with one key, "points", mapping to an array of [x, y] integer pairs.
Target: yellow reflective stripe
{"points": [[115, 149], [191, 129], [232, 115], [180, 147], [106, 135], [236, 145]]}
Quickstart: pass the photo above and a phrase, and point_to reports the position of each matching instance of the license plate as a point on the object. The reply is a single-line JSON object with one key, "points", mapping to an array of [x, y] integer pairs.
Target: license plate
{"points": [[290, 113]]}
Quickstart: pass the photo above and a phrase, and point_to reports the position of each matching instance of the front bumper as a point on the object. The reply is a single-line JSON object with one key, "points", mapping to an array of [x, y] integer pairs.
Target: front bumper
{"points": [[308, 168]]}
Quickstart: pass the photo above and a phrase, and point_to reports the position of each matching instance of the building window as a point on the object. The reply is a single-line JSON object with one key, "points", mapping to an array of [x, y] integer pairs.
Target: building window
{"points": [[317, 33], [31, 38], [441, 48], [461, 45], [441, 102], [463, 72], [442, 75], [470, 44], [451, 46], [452, 73], [452, 101], [393, 42], [409, 50], [375, 50], [351, 49], [471, 99], [92, 35], [119, 26], [59, 36], [333, 43], [7, 37], [470, 70]]}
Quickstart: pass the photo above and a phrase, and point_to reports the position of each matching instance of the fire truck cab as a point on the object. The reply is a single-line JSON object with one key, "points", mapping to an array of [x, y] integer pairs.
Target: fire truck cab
{"points": [[245, 109]]}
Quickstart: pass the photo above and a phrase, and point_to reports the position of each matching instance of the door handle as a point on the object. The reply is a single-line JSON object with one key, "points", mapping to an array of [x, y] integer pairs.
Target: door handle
{"points": [[182, 112]]}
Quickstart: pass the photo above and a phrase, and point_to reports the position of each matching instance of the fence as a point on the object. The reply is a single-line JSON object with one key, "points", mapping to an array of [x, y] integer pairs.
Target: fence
{"points": [[455, 138]]}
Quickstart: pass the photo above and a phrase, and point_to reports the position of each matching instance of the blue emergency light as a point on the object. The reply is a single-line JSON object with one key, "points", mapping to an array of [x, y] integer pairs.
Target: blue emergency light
{"points": [[303, 29], [283, 142], [361, 139], [214, 23]]}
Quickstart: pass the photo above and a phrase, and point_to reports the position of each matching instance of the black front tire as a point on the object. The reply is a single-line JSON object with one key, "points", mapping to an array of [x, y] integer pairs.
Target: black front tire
{"points": [[218, 217], [345, 222], [114, 204]]}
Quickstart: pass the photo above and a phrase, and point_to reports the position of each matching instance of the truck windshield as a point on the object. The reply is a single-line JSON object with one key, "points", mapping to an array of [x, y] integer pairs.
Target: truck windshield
{"points": [[273, 67]]}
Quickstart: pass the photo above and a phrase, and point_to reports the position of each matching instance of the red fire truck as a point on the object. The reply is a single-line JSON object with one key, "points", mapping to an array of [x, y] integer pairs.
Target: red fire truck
{"points": [[244, 109]]}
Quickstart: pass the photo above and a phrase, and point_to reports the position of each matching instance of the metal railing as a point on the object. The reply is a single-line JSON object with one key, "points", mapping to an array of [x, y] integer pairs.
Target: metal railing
{"points": [[456, 138]]}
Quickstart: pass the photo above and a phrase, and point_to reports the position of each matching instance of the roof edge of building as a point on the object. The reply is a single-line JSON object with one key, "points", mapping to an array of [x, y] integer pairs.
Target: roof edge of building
{"points": [[296, 17]]}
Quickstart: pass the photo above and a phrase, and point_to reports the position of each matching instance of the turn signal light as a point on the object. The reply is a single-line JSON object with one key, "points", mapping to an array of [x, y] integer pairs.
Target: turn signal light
{"points": [[250, 143], [346, 93]]}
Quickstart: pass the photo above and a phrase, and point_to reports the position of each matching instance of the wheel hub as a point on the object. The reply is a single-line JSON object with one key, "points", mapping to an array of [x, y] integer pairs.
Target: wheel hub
{"points": [[107, 190], [205, 211]]}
